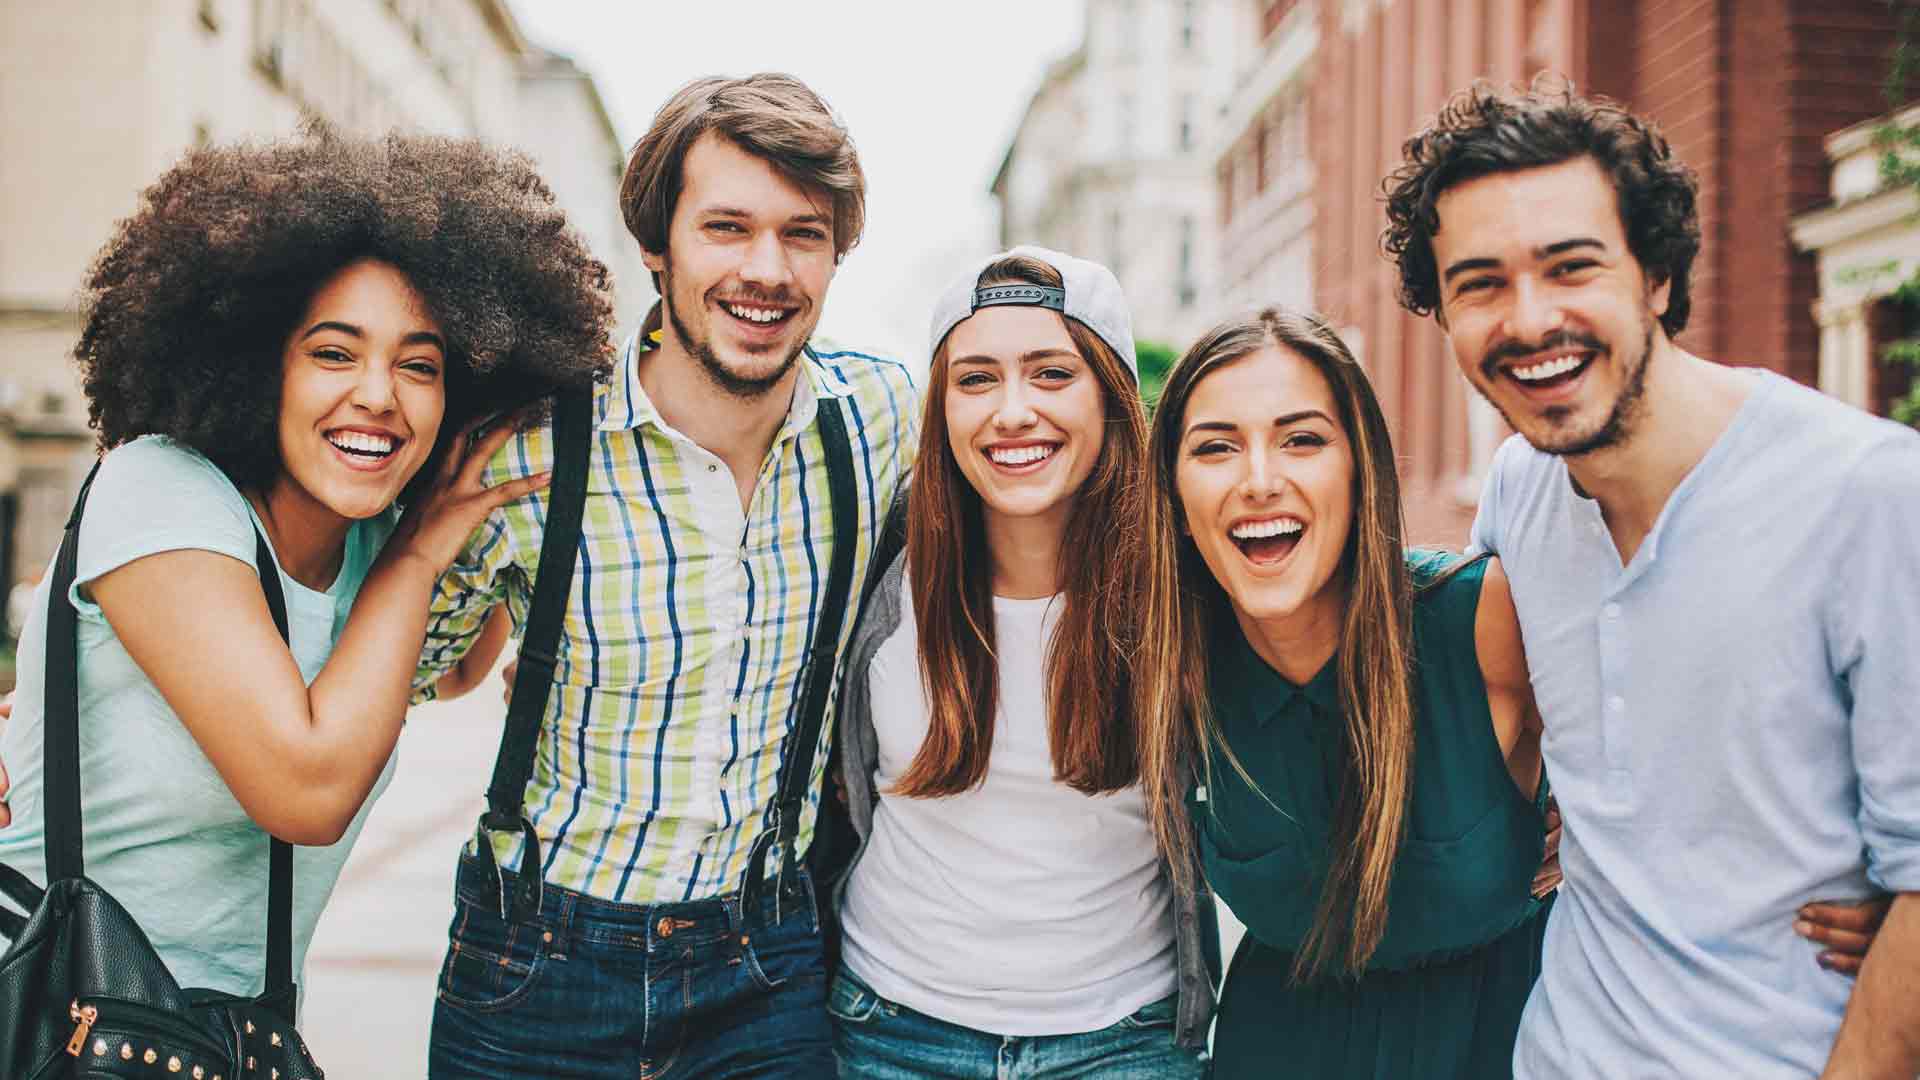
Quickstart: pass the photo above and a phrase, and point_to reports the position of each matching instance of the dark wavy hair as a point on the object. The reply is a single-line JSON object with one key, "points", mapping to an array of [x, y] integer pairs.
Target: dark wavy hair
{"points": [[188, 307], [1484, 130]]}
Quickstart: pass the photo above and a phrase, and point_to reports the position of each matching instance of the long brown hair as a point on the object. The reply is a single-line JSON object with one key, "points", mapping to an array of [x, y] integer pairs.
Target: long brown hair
{"points": [[1185, 604], [1089, 669]]}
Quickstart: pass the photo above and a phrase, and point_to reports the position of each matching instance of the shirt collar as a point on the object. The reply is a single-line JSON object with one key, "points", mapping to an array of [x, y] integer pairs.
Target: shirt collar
{"points": [[622, 404], [1246, 686]]}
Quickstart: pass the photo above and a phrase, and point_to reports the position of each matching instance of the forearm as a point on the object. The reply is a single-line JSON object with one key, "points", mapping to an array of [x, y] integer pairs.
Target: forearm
{"points": [[1880, 1037]]}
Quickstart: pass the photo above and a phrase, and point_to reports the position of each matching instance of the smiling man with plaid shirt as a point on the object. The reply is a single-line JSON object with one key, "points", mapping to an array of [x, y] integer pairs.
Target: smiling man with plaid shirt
{"points": [[681, 666]]}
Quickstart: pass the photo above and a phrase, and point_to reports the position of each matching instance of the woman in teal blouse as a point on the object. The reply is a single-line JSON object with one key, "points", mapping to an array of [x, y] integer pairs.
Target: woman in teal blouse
{"points": [[1338, 731]]}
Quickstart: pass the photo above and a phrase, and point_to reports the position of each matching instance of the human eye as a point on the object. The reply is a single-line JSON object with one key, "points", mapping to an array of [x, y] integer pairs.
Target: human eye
{"points": [[1303, 440], [725, 227], [423, 367], [1209, 448], [1573, 267], [1055, 374], [973, 380], [1474, 285], [332, 355], [809, 233]]}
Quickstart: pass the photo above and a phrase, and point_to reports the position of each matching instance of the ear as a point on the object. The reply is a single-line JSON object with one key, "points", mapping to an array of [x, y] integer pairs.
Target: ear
{"points": [[1660, 295]]}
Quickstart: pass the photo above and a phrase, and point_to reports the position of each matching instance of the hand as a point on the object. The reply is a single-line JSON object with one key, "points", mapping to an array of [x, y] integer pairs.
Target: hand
{"points": [[506, 679], [436, 527], [6, 812], [1547, 878], [1847, 928]]}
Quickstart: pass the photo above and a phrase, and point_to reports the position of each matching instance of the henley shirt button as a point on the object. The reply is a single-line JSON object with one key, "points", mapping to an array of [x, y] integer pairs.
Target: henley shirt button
{"points": [[713, 468], [1612, 610]]}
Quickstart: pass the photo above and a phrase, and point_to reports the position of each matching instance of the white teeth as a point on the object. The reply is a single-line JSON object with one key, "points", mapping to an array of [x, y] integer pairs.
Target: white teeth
{"points": [[361, 442], [1021, 455], [754, 314], [1259, 530], [1546, 369]]}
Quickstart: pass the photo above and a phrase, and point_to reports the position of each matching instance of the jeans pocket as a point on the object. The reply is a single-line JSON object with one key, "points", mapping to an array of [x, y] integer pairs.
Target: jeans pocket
{"points": [[491, 963], [849, 1002], [1157, 1014], [790, 949]]}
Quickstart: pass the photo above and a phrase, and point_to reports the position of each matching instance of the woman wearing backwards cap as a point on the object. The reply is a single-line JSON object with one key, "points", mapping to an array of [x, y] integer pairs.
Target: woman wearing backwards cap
{"points": [[1007, 909]]}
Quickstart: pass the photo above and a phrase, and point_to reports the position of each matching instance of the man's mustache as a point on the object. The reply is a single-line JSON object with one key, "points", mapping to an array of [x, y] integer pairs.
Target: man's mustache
{"points": [[1514, 350]]}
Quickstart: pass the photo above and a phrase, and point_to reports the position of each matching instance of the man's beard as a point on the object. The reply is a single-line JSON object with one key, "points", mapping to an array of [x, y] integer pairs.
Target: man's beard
{"points": [[745, 387], [1620, 419]]}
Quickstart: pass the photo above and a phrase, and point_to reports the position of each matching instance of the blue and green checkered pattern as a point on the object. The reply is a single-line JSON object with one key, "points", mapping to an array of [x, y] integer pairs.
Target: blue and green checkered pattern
{"points": [[679, 665]]}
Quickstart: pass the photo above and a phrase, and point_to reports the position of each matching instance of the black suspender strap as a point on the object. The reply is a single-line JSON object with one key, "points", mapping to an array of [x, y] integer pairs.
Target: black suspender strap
{"points": [[539, 648], [796, 768], [65, 850]]}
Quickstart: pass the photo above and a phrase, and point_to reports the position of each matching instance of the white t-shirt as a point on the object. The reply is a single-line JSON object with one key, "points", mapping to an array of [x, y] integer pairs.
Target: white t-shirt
{"points": [[1021, 907]]}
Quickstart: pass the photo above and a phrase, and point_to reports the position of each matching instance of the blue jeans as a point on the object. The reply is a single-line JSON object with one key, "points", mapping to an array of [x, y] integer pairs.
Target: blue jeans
{"points": [[877, 1039], [590, 989]]}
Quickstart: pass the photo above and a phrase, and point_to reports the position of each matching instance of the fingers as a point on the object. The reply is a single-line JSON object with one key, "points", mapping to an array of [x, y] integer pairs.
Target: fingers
{"points": [[482, 451], [1846, 941], [1841, 962], [1547, 878], [6, 814], [6, 710], [503, 493], [506, 678], [1863, 917]]}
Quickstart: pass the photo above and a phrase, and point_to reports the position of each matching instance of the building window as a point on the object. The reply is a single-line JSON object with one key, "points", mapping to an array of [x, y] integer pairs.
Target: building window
{"points": [[1188, 18], [1188, 292], [1186, 121], [210, 16]]}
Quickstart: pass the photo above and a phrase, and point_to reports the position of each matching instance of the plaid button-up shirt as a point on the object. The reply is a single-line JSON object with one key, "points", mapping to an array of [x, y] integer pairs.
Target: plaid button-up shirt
{"points": [[680, 659]]}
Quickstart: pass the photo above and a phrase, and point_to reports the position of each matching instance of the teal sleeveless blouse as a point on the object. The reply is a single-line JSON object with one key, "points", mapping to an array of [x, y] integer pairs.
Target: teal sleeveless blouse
{"points": [[1442, 995]]}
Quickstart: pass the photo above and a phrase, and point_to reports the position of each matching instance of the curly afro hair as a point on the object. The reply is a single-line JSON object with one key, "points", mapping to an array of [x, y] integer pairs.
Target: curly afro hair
{"points": [[188, 307], [1484, 130]]}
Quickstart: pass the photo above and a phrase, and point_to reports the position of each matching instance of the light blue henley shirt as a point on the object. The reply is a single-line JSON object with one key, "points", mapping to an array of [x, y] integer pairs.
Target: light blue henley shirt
{"points": [[1731, 724]]}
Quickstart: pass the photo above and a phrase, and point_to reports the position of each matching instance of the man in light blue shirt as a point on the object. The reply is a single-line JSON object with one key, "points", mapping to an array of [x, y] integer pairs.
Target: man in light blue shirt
{"points": [[1718, 578]]}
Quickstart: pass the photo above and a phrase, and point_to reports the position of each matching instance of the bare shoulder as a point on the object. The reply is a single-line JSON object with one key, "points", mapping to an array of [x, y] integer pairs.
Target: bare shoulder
{"points": [[1496, 633]]}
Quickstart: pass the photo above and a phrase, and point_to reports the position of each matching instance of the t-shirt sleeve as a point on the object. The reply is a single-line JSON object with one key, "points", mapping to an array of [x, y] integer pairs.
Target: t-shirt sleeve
{"points": [[1874, 625], [153, 495], [1485, 534]]}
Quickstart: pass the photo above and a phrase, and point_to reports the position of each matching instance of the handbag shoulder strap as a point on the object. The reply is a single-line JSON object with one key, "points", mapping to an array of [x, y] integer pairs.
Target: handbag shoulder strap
{"points": [[540, 642], [65, 849]]}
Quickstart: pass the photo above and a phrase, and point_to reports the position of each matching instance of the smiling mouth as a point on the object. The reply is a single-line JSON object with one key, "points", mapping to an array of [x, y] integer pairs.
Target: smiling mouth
{"points": [[1022, 458], [1269, 542], [363, 446], [759, 317], [1551, 372]]}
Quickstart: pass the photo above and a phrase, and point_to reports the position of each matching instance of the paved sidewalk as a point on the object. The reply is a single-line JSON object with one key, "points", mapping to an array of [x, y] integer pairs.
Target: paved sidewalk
{"points": [[376, 954]]}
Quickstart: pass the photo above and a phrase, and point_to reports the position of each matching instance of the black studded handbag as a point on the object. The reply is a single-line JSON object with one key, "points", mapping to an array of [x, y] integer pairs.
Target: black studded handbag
{"points": [[82, 992]]}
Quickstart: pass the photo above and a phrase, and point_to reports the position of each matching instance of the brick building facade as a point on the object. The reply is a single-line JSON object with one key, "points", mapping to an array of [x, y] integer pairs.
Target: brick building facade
{"points": [[1747, 91]]}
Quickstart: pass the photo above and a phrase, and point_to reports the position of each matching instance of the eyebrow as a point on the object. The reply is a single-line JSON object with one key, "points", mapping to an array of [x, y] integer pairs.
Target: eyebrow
{"points": [[1283, 420], [418, 337], [1546, 252], [815, 218], [1025, 357]]}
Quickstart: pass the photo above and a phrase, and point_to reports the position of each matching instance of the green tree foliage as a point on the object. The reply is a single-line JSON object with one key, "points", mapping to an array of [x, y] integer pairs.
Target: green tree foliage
{"points": [[1156, 359], [1899, 146]]}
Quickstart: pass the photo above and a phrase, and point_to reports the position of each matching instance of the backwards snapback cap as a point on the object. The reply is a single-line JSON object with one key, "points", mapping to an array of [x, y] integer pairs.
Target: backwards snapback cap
{"points": [[1090, 296]]}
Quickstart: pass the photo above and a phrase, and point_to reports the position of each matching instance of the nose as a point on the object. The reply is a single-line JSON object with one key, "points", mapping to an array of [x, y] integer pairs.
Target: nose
{"points": [[1014, 410], [766, 263], [373, 389], [1535, 311], [1264, 478]]}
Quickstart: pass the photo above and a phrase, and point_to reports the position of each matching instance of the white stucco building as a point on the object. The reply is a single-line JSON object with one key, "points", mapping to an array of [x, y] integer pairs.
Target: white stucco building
{"points": [[1866, 242], [98, 97], [1111, 159]]}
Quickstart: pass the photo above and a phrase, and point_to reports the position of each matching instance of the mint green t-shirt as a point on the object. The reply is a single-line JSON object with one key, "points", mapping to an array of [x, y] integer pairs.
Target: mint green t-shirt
{"points": [[163, 833]]}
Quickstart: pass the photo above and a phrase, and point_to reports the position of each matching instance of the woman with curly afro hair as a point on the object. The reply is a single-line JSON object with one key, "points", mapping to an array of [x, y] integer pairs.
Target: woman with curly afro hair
{"points": [[296, 338]]}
